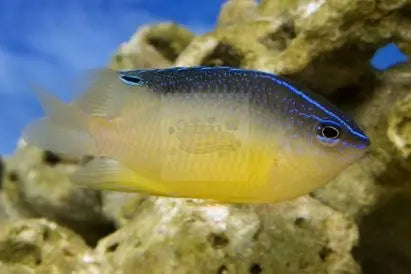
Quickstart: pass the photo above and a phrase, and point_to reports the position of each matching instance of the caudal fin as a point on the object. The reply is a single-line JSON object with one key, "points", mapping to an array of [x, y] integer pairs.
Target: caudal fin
{"points": [[64, 129]]}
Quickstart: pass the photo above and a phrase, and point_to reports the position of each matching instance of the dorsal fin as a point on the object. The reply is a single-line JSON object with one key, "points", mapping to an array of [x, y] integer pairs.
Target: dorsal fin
{"points": [[64, 115]]}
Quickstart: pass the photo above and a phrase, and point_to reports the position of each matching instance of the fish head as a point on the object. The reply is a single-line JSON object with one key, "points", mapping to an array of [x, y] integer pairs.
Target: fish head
{"points": [[319, 145], [328, 141], [339, 135]]}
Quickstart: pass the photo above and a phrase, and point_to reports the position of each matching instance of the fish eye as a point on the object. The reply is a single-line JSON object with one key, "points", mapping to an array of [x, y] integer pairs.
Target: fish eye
{"points": [[131, 80], [328, 133]]}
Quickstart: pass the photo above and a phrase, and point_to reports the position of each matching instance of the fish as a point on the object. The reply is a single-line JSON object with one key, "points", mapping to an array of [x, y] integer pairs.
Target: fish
{"points": [[219, 133]]}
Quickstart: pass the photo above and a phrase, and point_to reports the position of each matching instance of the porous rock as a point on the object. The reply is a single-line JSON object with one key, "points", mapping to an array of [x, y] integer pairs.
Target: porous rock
{"points": [[41, 246], [155, 46], [184, 236], [325, 45], [36, 184]]}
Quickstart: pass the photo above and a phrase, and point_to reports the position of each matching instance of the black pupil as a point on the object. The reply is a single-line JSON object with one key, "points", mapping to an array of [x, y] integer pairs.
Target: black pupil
{"points": [[330, 132], [130, 79]]}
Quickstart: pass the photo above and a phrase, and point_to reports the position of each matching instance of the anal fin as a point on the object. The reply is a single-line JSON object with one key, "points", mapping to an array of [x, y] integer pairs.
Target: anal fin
{"points": [[110, 174]]}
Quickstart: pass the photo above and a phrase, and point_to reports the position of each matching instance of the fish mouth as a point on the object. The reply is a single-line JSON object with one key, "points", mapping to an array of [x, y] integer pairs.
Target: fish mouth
{"points": [[362, 139], [364, 143]]}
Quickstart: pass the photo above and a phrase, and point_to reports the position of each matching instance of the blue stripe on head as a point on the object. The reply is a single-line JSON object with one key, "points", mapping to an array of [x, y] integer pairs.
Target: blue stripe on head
{"points": [[310, 100]]}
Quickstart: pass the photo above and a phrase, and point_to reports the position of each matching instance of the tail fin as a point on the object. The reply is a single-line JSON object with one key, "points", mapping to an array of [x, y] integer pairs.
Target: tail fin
{"points": [[64, 129]]}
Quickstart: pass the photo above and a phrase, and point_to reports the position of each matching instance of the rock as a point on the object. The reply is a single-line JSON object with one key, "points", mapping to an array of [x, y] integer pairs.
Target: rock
{"points": [[385, 245], [315, 42], [41, 246], [237, 45], [377, 190], [154, 46], [237, 11], [37, 185], [359, 181], [324, 45], [399, 130], [325, 26], [181, 236], [15, 269], [1, 172], [123, 207], [386, 167], [3, 215]]}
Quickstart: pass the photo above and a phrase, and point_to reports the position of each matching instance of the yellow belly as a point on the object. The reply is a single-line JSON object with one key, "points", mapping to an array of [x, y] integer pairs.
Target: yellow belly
{"points": [[205, 160]]}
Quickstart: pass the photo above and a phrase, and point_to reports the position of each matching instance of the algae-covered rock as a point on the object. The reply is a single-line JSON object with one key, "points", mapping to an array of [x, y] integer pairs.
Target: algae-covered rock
{"points": [[325, 26], [154, 46], [191, 236], [3, 215], [40, 246], [1, 172], [237, 11], [324, 45], [385, 245], [386, 167], [123, 207], [399, 129], [37, 185], [15, 269], [377, 190]]}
